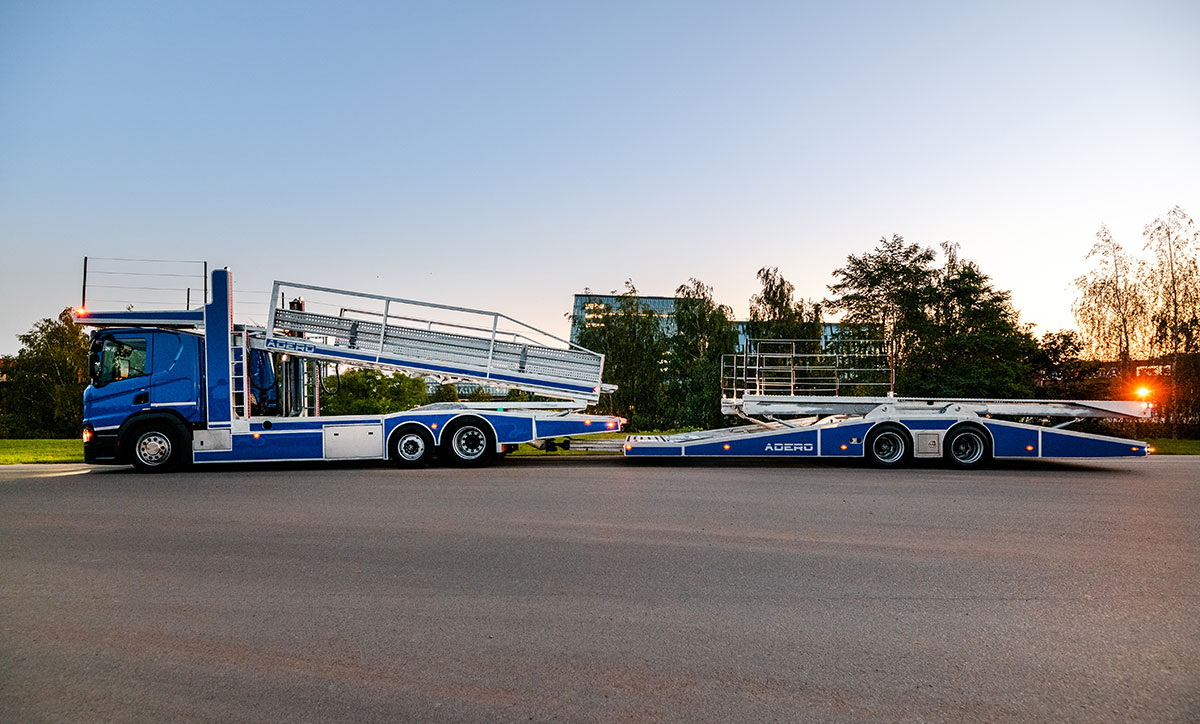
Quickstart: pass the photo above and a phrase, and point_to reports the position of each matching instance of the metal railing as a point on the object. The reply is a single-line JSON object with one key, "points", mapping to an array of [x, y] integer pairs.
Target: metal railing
{"points": [[807, 367]]}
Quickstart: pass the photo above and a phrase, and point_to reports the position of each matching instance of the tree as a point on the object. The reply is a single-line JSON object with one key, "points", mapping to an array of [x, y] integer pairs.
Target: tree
{"points": [[479, 394], [971, 342], [445, 393], [372, 392], [704, 333], [631, 338], [776, 314], [42, 391], [1172, 281], [952, 332], [1111, 308], [886, 292]]}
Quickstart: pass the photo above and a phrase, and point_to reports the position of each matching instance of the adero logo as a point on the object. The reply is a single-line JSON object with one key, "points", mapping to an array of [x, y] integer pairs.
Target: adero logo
{"points": [[289, 346], [788, 447]]}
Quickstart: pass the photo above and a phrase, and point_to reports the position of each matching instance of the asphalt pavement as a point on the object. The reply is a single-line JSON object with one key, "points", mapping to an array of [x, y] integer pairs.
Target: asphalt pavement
{"points": [[595, 589]]}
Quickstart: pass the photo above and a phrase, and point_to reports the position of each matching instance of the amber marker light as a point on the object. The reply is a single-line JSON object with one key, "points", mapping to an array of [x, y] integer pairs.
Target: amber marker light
{"points": [[87, 435], [587, 422], [257, 435], [629, 447], [610, 424], [1029, 448], [434, 426], [81, 311], [1135, 449], [726, 446], [1142, 392], [1150, 449]]}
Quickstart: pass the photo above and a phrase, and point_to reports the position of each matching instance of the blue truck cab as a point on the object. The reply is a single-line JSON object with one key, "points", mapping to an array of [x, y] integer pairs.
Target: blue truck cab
{"points": [[140, 376]]}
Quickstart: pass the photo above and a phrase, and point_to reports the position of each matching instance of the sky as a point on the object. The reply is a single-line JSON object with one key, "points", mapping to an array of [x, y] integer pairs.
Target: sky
{"points": [[507, 155]]}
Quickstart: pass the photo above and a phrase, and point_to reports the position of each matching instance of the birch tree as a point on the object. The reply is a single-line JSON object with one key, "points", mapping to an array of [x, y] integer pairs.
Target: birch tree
{"points": [[1111, 308]]}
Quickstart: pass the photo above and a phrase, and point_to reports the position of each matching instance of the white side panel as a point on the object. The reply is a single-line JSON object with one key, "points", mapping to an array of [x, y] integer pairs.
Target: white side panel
{"points": [[353, 441], [210, 440]]}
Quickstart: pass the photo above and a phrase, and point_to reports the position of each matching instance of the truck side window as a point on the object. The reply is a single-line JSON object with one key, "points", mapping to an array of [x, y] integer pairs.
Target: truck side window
{"points": [[121, 359]]}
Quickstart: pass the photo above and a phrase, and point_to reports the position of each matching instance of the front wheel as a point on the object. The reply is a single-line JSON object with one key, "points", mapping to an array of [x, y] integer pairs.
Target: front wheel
{"points": [[967, 448], [412, 447], [156, 449], [890, 447], [469, 443]]}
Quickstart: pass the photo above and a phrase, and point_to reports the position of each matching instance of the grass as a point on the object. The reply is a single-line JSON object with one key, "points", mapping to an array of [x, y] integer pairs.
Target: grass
{"points": [[1163, 446], [41, 451]]}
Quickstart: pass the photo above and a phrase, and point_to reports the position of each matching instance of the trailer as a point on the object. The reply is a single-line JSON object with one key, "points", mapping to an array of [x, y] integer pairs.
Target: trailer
{"points": [[834, 398], [174, 387]]}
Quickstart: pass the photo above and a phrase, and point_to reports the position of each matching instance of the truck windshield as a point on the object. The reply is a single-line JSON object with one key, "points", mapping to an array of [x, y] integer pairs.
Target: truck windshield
{"points": [[118, 359]]}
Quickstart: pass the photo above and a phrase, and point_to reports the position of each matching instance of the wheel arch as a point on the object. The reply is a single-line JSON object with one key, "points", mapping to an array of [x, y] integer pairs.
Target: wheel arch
{"points": [[973, 425], [137, 421], [470, 416]]}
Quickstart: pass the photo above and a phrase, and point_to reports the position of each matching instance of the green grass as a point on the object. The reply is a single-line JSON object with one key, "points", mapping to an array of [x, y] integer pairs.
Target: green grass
{"points": [[41, 451], [1163, 446]]}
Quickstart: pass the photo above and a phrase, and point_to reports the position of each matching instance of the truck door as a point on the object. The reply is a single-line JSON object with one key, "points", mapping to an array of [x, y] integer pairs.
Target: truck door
{"points": [[120, 378]]}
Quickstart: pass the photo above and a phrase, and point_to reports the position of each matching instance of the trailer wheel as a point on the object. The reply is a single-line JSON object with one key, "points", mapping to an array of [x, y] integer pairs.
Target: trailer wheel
{"points": [[412, 447], [156, 449], [468, 443], [889, 447], [967, 447]]}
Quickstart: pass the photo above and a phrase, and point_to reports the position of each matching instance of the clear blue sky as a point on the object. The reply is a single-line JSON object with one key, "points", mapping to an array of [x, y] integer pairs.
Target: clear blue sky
{"points": [[506, 155]]}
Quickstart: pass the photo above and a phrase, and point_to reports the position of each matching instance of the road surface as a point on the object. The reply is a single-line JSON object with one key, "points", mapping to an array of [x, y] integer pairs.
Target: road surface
{"points": [[593, 589]]}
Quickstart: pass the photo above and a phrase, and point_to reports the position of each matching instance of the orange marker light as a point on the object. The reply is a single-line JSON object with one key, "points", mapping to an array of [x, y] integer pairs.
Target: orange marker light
{"points": [[256, 436], [610, 425], [845, 447], [1149, 449], [81, 311], [726, 446], [1135, 449], [587, 422], [1143, 392], [87, 435], [1029, 448], [629, 447], [434, 426]]}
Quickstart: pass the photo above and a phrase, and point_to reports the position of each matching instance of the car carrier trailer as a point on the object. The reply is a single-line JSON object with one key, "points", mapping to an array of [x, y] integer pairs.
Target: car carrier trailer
{"points": [[798, 398], [190, 386]]}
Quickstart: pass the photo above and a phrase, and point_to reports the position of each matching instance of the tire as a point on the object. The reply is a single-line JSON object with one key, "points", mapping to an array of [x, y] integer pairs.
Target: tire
{"points": [[889, 447], [968, 447], [468, 443], [411, 447], [156, 448]]}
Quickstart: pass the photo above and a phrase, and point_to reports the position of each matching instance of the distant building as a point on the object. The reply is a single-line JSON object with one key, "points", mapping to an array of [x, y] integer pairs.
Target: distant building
{"points": [[588, 306]]}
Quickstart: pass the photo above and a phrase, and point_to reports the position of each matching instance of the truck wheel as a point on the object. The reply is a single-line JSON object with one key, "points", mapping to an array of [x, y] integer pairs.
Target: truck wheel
{"points": [[156, 449], [889, 447], [412, 447], [468, 443], [967, 447]]}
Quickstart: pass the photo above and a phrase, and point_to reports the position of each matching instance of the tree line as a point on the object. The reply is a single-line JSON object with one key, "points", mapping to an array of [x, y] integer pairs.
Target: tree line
{"points": [[950, 333]]}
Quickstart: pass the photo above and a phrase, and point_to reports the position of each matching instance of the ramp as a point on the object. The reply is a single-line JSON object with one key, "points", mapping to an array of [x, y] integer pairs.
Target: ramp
{"points": [[453, 343]]}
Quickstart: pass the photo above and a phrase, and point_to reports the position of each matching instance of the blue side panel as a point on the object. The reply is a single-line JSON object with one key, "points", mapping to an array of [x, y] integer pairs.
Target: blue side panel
{"points": [[654, 451], [1063, 445], [280, 446], [218, 338], [1013, 441], [785, 444], [852, 436], [511, 429], [177, 374], [563, 428]]}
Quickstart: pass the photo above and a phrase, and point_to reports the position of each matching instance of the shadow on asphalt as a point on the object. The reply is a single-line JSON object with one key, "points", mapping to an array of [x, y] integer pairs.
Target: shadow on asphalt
{"points": [[1080, 466]]}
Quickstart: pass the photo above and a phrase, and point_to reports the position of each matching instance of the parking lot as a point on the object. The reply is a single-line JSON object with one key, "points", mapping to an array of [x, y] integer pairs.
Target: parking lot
{"points": [[592, 589]]}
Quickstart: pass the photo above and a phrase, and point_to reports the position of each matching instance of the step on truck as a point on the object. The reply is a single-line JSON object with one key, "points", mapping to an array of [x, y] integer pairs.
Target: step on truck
{"points": [[181, 386], [834, 398]]}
